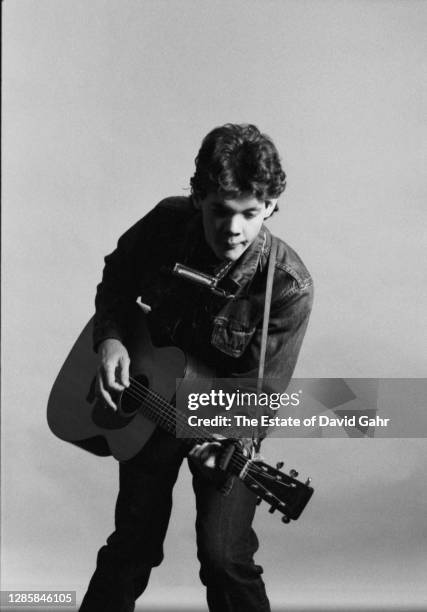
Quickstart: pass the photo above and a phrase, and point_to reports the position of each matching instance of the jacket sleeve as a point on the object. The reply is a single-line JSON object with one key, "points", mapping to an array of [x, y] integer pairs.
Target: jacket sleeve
{"points": [[131, 264], [118, 290]]}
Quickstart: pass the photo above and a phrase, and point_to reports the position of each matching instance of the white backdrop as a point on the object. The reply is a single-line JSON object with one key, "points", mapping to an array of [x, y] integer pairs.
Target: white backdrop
{"points": [[104, 107]]}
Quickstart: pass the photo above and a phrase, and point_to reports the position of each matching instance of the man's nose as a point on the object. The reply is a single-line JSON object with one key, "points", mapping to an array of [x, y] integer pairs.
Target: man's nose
{"points": [[233, 225]]}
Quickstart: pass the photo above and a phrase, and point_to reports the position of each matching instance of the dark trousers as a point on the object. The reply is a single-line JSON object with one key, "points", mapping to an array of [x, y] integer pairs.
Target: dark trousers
{"points": [[226, 541]]}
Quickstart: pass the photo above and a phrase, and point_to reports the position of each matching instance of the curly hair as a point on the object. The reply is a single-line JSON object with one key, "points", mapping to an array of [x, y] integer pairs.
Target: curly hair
{"points": [[235, 160]]}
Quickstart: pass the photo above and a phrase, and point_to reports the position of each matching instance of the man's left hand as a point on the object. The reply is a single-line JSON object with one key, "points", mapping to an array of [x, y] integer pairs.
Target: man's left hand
{"points": [[206, 454]]}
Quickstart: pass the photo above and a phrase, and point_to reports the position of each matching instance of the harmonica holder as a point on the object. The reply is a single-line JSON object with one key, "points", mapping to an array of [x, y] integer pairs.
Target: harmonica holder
{"points": [[205, 280]]}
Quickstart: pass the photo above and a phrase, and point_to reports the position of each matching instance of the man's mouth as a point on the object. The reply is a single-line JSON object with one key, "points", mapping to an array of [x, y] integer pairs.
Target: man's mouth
{"points": [[228, 244]]}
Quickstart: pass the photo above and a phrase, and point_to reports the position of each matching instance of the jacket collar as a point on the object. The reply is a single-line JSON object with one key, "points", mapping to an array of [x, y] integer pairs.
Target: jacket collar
{"points": [[253, 258]]}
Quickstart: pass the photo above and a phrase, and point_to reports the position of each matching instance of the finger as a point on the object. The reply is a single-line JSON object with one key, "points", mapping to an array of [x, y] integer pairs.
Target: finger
{"points": [[195, 451], [211, 454], [210, 461], [108, 371], [206, 453], [198, 449], [105, 395], [124, 371]]}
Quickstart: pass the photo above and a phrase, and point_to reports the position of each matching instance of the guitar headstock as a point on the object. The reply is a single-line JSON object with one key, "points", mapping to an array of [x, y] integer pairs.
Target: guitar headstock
{"points": [[283, 492]]}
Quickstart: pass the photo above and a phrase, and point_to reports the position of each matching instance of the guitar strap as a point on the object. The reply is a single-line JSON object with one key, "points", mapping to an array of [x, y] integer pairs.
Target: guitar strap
{"points": [[264, 334]]}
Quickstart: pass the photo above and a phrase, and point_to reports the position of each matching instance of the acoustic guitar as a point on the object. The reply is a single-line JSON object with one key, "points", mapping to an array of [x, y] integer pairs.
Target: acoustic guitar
{"points": [[75, 414]]}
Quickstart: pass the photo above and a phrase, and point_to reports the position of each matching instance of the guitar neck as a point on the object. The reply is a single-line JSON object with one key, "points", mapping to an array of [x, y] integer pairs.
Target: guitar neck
{"points": [[283, 492], [157, 409], [154, 407]]}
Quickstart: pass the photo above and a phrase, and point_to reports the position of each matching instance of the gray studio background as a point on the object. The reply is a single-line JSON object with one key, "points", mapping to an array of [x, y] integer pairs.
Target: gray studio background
{"points": [[104, 107]]}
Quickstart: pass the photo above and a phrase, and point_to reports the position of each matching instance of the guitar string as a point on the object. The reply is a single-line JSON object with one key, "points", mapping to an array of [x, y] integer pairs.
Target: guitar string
{"points": [[238, 461], [169, 407], [203, 433], [171, 420]]}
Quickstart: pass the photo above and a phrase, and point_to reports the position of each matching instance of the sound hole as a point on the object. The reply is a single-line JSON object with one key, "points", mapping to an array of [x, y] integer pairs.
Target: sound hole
{"points": [[133, 397], [128, 402]]}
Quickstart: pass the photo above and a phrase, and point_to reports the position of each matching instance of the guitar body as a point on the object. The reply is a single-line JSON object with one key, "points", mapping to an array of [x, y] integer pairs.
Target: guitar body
{"points": [[75, 414]]}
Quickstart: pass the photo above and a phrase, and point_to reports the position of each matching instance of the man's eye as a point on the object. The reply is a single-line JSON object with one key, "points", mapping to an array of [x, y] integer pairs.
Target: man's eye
{"points": [[251, 215]]}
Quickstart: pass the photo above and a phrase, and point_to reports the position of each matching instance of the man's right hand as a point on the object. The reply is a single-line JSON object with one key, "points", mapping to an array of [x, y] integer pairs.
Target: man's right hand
{"points": [[113, 370]]}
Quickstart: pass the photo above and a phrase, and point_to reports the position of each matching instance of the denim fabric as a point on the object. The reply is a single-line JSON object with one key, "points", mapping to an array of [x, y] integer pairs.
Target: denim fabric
{"points": [[226, 541], [224, 334]]}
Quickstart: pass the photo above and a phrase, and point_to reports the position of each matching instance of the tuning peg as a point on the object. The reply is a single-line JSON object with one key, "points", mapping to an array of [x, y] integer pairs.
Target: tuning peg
{"points": [[258, 500], [293, 473], [272, 509], [285, 519], [307, 482], [279, 465]]}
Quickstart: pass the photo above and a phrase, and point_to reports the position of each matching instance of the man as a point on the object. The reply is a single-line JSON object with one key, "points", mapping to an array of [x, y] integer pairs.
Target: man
{"points": [[219, 230]]}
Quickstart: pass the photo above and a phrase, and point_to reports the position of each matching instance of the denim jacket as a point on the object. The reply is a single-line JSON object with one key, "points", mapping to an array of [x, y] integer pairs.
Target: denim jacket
{"points": [[224, 333]]}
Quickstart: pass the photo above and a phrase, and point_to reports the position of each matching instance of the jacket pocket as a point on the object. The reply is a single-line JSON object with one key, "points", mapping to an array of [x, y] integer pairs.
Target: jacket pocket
{"points": [[230, 337]]}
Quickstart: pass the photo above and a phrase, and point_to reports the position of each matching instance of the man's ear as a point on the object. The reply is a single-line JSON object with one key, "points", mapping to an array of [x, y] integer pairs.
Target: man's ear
{"points": [[196, 202], [270, 205]]}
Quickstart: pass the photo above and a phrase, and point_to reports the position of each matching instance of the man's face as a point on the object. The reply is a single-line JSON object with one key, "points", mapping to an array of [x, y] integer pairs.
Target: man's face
{"points": [[230, 226]]}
